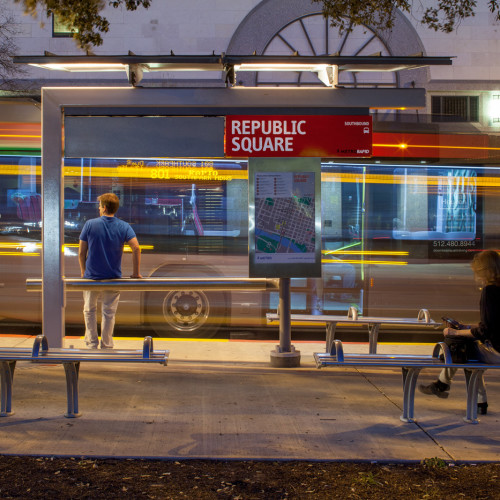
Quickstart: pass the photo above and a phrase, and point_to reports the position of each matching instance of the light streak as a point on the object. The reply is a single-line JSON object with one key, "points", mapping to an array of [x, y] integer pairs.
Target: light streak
{"points": [[365, 252], [364, 262], [23, 254], [420, 180], [126, 248], [435, 146], [21, 136]]}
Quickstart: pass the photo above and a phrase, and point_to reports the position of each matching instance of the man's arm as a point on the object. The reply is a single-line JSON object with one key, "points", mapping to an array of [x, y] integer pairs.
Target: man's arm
{"points": [[82, 256], [136, 257]]}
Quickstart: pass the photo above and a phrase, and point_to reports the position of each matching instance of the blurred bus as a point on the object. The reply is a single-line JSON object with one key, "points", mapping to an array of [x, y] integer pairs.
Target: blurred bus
{"points": [[398, 232]]}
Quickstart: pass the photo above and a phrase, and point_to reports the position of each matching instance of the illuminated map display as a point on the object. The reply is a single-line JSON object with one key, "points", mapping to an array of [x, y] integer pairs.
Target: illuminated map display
{"points": [[284, 217]]}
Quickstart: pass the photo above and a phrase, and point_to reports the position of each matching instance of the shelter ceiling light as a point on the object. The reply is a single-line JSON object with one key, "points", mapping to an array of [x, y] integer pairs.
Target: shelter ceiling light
{"points": [[81, 67], [327, 73], [326, 68]]}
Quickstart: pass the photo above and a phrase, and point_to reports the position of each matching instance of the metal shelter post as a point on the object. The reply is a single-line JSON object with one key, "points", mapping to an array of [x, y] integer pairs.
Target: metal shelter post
{"points": [[285, 355], [59, 103], [52, 222]]}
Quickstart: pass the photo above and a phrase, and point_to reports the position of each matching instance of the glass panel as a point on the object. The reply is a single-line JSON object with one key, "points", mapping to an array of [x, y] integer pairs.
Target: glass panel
{"points": [[61, 29], [395, 238]]}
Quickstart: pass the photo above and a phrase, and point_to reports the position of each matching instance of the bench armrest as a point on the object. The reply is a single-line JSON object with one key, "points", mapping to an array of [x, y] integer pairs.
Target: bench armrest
{"points": [[147, 347], [40, 342], [338, 350], [442, 349], [423, 314]]}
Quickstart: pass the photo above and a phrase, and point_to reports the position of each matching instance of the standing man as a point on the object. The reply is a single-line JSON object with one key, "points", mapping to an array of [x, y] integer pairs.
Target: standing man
{"points": [[100, 255]]}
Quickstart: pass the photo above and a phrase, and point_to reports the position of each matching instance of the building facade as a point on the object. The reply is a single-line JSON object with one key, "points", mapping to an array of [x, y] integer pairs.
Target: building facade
{"points": [[415, 212], [466, 92]]}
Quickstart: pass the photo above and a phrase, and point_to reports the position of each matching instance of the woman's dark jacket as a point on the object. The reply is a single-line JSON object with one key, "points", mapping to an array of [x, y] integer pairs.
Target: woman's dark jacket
{"points": [[489, 308]]}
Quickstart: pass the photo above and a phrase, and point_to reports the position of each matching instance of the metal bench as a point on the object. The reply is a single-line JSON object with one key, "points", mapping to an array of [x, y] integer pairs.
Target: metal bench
{"points": [[411, 366], [70, 359], [423, 319]]}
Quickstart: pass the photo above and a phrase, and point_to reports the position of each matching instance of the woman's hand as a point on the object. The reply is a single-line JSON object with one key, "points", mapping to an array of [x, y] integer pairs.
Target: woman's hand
{"points": [[451, 332]]}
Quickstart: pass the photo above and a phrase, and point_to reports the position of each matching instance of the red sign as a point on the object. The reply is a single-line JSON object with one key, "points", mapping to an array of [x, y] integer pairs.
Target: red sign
{"points": [[295, 136]]}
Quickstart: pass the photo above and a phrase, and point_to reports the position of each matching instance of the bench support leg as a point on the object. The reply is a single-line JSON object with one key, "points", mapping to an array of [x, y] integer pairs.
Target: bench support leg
{"points": [[7, 375], [472, 378], [72, 370], [330, 336], [410, 376], [373, 337]]}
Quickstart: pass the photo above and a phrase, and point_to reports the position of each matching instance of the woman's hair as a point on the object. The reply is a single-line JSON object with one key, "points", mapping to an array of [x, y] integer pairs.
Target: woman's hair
{"points": [[110, 202], [486, 266]]}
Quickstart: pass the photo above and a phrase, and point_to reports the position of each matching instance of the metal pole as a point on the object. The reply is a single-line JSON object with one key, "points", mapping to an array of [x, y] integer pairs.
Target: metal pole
{"points": [[284, 313], [285, 355], [162, 284], [52, 221]]}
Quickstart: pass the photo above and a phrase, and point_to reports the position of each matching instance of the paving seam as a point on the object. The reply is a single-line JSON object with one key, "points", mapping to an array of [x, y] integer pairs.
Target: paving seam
{"points": [[428, 434]]}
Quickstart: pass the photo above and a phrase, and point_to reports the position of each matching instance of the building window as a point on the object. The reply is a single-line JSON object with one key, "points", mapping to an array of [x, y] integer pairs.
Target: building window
{"points": [[60, 29], [455, 108], [495, 109]]}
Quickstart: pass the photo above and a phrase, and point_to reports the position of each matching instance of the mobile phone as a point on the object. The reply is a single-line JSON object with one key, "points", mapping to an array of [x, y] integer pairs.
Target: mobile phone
{"points": [[453, 322]]}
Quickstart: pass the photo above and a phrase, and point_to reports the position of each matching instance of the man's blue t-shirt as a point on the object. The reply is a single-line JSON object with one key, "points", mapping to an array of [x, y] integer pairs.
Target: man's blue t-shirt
{"points": [[105, 237]]}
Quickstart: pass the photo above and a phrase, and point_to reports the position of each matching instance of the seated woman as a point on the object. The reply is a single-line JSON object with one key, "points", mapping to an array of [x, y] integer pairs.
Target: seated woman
{"points": [[486, 267]]}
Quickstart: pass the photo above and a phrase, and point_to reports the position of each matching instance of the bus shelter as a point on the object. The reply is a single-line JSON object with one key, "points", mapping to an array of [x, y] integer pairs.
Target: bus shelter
{"points": [[168, 122]]}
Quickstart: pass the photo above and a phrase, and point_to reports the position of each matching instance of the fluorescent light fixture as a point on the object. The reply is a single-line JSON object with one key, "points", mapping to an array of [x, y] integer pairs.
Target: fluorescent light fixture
{"points": [[327, 73], [279, 67], [82, 67]]}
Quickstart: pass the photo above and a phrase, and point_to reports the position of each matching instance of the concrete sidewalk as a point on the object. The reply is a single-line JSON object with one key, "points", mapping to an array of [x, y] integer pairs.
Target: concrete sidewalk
{"points": [[221, 399]]}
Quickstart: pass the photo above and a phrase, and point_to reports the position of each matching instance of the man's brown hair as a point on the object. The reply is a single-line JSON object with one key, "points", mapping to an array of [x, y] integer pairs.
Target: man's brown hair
{"points": [[110, 202]]}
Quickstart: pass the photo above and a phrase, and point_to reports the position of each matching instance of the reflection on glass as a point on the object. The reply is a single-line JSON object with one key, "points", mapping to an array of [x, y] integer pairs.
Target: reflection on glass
{"points": [[395, 238]]}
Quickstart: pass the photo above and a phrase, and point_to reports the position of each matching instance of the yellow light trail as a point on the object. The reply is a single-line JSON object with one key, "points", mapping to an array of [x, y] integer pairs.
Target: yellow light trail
{"points": [[365, 262], [364, 252], [126, 247], [27, 254], [22, 136], [144, 173], [21, 245], [437, 146], [423, 180]]}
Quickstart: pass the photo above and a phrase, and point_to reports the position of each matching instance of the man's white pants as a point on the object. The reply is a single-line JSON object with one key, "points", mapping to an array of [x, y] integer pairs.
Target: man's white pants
{"points": [[109, 302]]}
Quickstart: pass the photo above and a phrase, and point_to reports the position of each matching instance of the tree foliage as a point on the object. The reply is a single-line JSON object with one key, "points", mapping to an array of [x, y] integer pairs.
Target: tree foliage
{"points": [[443, 15], [8, 70], [83, 16]]}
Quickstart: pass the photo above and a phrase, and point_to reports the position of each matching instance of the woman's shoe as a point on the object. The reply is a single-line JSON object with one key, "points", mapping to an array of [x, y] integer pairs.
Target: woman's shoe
{"points": [[482, 408]]}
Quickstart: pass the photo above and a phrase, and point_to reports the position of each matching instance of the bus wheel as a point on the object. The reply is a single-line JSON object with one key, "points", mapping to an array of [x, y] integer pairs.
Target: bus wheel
{"points": [[186, 313]]}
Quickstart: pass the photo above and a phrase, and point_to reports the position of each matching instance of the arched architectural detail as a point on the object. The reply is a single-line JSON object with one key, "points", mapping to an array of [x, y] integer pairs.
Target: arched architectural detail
{"points": [[263, 23]]}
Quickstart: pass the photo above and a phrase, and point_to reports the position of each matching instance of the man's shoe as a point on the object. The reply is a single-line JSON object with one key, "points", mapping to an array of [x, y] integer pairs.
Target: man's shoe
{"points": [[438, 389], [482, 408]]}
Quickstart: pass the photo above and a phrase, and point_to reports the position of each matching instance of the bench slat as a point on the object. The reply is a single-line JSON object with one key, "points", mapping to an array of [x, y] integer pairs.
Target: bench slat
{"points": [[411, 365], [70, 359], [423, 319]]}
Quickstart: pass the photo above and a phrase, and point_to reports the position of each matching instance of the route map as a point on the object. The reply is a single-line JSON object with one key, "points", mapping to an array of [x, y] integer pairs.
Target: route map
{"points": [[284, 217]]}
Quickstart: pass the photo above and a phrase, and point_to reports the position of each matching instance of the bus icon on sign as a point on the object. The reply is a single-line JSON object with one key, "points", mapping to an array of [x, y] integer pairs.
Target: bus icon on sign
{"points": [[366, 130]]}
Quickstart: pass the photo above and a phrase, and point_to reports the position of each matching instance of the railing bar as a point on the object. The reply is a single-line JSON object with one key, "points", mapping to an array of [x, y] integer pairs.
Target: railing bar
{"points": [[174, 284]]}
